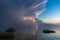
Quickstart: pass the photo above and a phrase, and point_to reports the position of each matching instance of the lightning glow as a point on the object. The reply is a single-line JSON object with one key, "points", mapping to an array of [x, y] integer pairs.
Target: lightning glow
{"points": [[29, 19], [32, 18]]}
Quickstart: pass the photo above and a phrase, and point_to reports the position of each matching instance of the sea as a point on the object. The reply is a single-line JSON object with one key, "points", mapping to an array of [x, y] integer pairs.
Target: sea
{"points": [[52, 36]]}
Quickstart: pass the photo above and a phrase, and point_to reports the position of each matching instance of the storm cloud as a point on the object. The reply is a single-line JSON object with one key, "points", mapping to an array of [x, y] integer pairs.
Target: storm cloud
{"points": [[12, 13]]}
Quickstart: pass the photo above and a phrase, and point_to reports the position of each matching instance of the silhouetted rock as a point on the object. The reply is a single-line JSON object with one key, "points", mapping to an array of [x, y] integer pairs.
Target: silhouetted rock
{"points": [[10, 30], [48, 31]]}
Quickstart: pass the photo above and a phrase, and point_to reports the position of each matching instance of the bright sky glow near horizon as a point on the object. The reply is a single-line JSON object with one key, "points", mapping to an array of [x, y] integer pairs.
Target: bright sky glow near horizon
{"points": [[52, 14]]}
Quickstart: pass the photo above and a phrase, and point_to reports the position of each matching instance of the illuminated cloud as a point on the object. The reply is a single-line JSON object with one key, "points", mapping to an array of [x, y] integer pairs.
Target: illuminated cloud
{"points": [[39, 4], [37, 13]]}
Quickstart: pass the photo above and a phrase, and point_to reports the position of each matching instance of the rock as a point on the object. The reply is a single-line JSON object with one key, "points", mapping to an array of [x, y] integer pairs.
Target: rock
{"points": [[48, 31]]}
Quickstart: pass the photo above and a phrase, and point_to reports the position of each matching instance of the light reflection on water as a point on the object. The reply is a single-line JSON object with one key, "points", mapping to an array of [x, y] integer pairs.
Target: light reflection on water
{"points": [[52, 36]]}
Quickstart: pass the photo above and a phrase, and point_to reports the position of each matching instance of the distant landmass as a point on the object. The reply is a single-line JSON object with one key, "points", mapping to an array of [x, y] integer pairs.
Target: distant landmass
{"points": [[48, 31]]}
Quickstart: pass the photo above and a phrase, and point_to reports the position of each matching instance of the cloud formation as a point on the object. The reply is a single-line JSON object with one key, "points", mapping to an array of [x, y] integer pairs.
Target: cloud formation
{"points": [[13, 12]]}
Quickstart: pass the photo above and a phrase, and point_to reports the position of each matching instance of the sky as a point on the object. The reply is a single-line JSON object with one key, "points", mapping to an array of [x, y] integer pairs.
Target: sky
{"points": [[52, 13], [23, 13]]}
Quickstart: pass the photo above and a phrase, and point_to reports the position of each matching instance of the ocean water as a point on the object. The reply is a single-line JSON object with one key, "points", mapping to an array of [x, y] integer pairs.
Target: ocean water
{"points": [[53, 36]]}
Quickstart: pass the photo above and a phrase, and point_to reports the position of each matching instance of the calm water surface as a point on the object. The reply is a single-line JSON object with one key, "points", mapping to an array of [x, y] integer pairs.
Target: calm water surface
{"points": [[53, 36]]}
